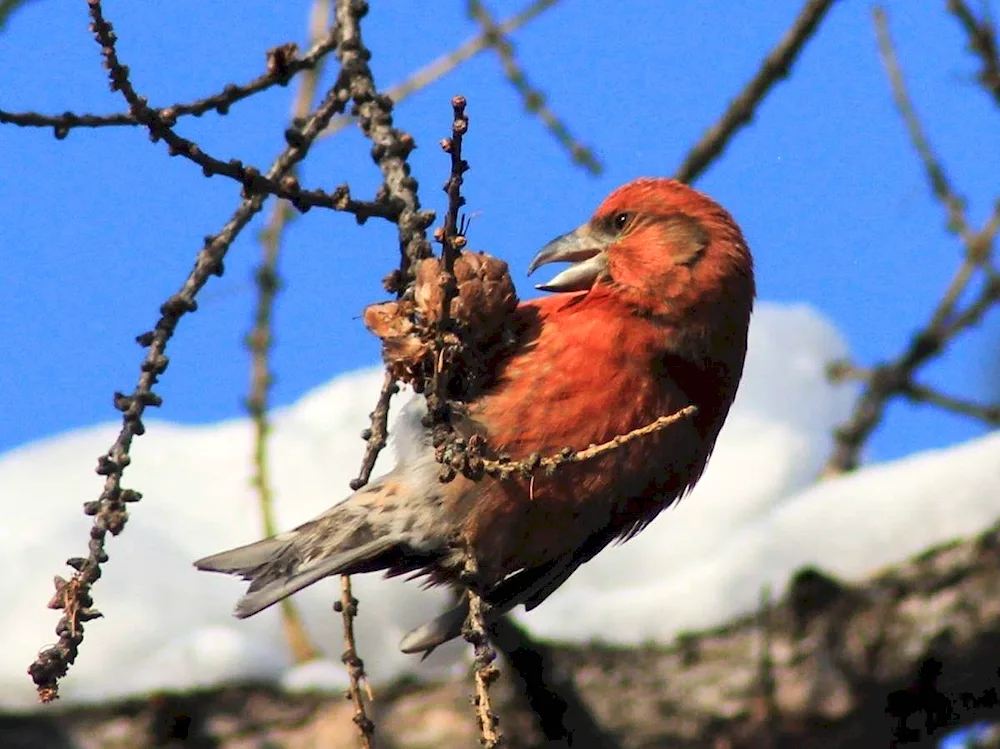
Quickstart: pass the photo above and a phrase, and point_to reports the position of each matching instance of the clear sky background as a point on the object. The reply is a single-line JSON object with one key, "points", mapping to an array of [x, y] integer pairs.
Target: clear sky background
{"points": [[98, 229]]}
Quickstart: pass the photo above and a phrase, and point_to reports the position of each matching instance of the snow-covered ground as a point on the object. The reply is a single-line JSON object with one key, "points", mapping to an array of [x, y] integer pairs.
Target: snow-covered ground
{"points": [[753, 519]]}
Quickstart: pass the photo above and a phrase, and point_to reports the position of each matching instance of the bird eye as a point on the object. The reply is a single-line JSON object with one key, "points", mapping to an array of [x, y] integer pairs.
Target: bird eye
{"points": [[620, 220]]}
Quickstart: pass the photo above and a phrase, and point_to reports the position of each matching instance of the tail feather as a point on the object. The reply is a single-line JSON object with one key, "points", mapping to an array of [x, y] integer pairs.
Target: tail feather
{"points": [[383, 526], [276, 569], [267, 589], [243, 560]]}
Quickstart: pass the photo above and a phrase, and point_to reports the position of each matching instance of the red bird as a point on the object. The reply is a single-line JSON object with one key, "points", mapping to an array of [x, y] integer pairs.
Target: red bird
{"points": [[650, 317]]}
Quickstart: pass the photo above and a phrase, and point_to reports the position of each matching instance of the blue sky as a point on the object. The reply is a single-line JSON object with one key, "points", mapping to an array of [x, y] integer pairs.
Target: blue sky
{"points": [[100, 228]]}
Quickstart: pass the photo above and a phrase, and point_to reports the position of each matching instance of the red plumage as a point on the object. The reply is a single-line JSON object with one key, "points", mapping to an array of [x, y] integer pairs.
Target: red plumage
{"points": [[652, 317]]}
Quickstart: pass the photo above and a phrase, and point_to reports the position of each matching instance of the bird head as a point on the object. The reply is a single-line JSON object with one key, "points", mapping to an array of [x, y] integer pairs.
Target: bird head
{"points": [[663, 248]]}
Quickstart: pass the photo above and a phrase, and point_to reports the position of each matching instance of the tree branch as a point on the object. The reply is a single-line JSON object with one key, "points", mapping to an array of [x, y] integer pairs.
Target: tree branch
{"points": [[260, 339], [741, 110], [983, 42], [534, 100], [283, 63], [390, 148], [485, 673], [895, 377], [249, 176], [988, 414], [446, 63]]}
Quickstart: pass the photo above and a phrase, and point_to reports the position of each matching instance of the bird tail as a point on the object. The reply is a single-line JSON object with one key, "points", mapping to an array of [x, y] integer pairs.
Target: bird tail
{"points": [[276, 571], [365, 533]]}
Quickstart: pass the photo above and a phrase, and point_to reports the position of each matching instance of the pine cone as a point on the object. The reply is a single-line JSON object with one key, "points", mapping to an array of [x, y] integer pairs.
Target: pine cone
{"points": [[481, 310]]}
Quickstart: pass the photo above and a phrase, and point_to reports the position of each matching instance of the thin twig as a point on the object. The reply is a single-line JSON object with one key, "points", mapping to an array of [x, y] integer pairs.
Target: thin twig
{"points": [[890, 379], [988, 414], [506, 469], [977, 309], [377, 434], [741, 110], [376, 437], [348, 608], [451, 238], [485, 671], [940, 184], [390, 148], [916, 393], [983, 42], [452, 241], [533, 98], [249, 176], [895, 378], [446, 63], [283, 63], [260, 338]]}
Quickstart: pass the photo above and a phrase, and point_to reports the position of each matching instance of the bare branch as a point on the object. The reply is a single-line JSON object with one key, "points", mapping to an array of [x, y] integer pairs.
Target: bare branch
{"points": [[452, 241], [531, 464], [983, 42], [988, 414], [890, 379], [446, 63], [250, 177], [390, 149], [348, 607], [741, 110], [534, 100], [260, 338], [895, 377], [282, 64], [377, 434], [940, 184], [485, 673], [436, 392]]}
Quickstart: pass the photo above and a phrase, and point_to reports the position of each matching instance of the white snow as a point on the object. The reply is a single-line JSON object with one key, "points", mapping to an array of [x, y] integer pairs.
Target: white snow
{"points": [[754, 519]]}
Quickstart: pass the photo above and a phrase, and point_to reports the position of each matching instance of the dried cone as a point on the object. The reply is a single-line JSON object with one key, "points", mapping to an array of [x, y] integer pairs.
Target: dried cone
{"points": [[403, 348], [482, 308]]}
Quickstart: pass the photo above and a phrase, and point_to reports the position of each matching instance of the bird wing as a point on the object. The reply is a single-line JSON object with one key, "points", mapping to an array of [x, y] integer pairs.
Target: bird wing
{"points": [[532, 586]]}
